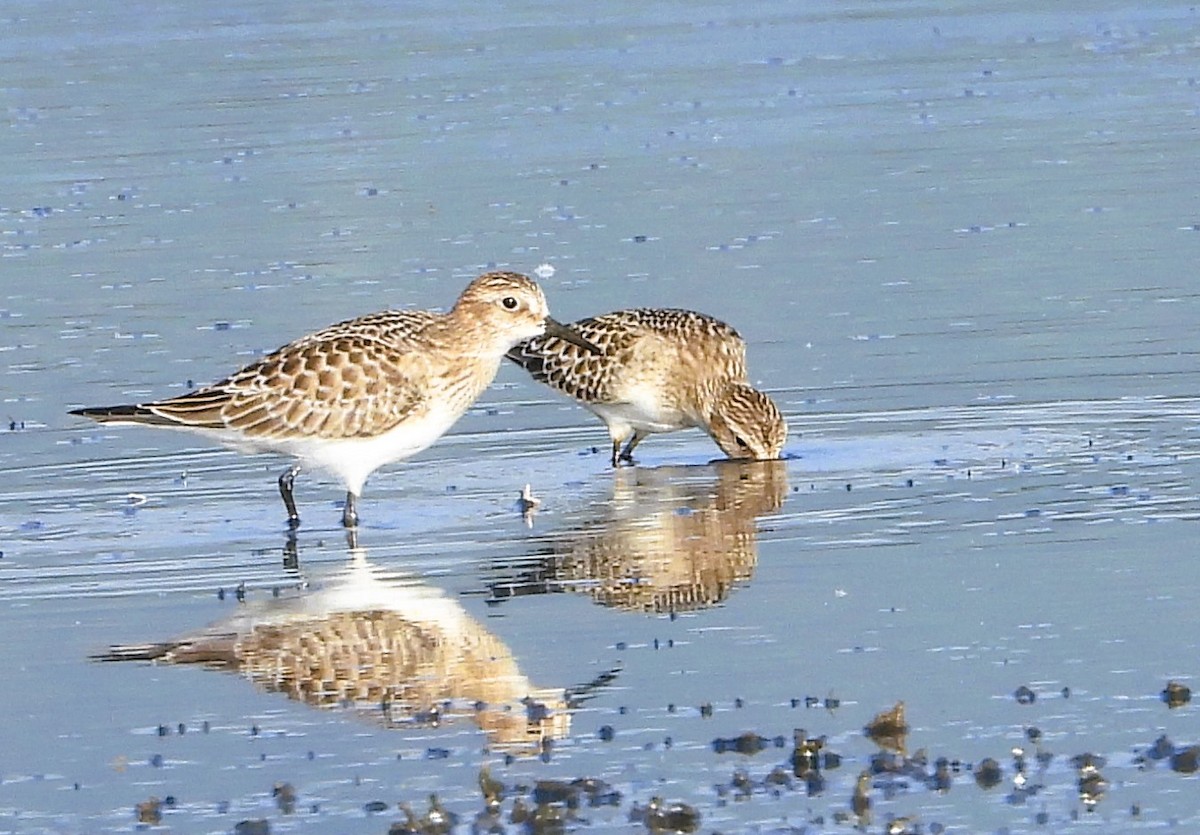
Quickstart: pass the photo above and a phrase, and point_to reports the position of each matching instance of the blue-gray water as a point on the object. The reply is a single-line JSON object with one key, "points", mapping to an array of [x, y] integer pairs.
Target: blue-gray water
{"points": [[961, 244]]}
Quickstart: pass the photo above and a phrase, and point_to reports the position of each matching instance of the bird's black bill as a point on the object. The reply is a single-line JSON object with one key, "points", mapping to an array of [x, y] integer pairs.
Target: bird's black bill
{"points": [[561, 331]]}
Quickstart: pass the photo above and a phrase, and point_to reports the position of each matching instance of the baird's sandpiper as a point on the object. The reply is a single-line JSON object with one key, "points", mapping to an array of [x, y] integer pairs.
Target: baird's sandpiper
{"points": [[659, 370], [362, 393]]}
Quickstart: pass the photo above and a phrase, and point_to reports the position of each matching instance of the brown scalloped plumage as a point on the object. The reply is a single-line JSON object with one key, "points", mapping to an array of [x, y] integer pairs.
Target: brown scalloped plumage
{"points": [[659, 370]]}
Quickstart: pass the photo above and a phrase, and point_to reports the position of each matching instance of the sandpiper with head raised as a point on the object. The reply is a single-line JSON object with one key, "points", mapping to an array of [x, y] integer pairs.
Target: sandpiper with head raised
{"points": [[659, 370], [365, 392]]}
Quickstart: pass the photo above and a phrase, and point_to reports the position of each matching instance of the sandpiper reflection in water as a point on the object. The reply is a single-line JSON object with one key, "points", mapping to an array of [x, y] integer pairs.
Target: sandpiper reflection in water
{"points": [[401, 651], [668, 541]]}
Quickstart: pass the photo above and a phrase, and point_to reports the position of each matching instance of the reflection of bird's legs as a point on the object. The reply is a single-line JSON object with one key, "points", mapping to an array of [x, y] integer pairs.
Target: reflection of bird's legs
{"points": [[349, 512], [291, 554], [352, 538], [576, 696], [627, 453], [285, 489]]}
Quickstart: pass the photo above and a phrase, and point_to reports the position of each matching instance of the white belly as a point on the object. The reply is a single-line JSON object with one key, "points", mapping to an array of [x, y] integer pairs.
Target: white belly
{"points": [[352, 460], [646, 416]]}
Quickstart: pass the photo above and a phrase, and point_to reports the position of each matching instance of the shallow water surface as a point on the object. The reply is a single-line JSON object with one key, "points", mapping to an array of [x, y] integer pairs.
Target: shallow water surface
{"points": [[960, 244]]}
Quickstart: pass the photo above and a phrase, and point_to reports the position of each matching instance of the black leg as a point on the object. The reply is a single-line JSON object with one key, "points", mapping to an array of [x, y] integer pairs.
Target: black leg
{"points": [[349, 512], [627, 453], [285, 489]]}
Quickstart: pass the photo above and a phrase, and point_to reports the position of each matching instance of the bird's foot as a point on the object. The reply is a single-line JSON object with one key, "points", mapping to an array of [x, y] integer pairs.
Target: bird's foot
{"points": [[625, 456]]}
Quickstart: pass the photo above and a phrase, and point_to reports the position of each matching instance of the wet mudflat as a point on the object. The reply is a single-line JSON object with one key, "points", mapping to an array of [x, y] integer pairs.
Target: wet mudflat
{"points": [[960, 245]]}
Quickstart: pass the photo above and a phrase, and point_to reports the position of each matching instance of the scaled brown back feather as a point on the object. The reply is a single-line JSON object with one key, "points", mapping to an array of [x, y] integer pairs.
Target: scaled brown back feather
{"points": [[619, 335], [338, 386], [347, 380]]}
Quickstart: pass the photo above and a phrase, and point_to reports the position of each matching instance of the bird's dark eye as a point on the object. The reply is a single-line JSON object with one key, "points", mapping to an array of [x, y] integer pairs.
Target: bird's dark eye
{"points": [[741, 444], [510, 303]]}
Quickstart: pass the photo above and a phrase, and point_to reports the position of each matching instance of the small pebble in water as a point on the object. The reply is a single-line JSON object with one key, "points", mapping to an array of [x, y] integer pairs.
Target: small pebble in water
{"points": [[748, 743], [1186, 760], [888, 728], [942, 779], [860, 801], [1092, 784], [285, 797], [987, 774], [1176, 694], [1025, 696], [149, 811], [658, 816]]}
